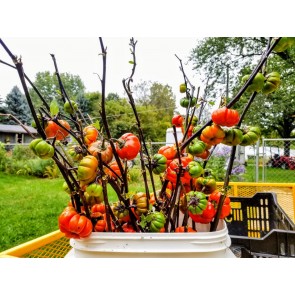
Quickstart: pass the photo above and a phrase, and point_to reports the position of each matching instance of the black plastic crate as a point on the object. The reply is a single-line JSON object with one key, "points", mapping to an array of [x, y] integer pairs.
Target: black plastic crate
{"points": [[259, 227]]}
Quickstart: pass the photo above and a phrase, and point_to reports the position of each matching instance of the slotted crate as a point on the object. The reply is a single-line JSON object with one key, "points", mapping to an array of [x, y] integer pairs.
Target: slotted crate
{"points": [[259, 227]]}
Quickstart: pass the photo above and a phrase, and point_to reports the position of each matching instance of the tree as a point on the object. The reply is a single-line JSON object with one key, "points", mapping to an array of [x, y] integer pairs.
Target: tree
{"points": [[161, 96], [273, 112], [16, 105], [48, 86], [83, 104], [94, 100], [212, 56]]}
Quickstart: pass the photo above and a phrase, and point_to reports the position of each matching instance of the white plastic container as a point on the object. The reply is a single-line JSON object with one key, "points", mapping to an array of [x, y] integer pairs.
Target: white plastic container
{"points": [[203, 244]]}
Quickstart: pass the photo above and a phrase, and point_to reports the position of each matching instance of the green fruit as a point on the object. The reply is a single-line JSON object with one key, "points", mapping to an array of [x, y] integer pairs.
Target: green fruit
{"points": [[271, 83], [157, 221], [94, 189], [33, 144], [41, 148], [251, 136], [284, 44], [196, 202], [196, 147], [195, 169], [182, 88], [256, 84], [194, 121], [70, 109], [255, 130], [184, 102], [44, 150], [159, 163], [233, 137]]}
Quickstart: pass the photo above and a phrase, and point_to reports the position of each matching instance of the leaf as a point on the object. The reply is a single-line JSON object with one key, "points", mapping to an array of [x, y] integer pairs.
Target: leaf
{"points": [[131, 62], [212, 103], [54, 109], [96, 125], [143, 221]]}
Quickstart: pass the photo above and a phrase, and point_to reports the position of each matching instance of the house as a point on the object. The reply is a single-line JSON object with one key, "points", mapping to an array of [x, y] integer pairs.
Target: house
{"points": [[16, 134]]}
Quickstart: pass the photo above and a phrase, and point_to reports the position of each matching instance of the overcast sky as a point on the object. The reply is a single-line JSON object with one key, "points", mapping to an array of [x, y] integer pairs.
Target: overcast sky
{"points": [[156, 60]]}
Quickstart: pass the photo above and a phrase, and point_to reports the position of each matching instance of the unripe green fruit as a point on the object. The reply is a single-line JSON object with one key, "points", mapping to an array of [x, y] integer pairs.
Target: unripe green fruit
{"points": [[233, 137], [70, 110], [284, 44], [271, 83], [182, 88], [256, 84]]}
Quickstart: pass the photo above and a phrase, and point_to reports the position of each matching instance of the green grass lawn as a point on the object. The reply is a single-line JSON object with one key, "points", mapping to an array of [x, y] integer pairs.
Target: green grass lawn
{"points": [[30, 206], [273, 175]]}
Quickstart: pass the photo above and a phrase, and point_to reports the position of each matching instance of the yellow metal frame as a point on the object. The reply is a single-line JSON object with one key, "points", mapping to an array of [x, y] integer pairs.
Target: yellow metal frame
{"points": [[53, 245], [56, 245]]}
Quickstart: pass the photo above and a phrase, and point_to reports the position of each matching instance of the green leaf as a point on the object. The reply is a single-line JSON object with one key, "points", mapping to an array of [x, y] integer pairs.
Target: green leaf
{"points": [[96, 125], [131, 62], [212, 103], [54, 109], [143, 221]]}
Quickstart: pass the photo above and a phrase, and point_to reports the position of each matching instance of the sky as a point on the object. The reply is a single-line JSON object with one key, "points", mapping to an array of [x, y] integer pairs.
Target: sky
{"points": [[156, 60]]}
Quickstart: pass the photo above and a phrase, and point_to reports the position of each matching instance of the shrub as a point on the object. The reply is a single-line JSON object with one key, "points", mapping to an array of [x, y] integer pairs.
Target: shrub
{"points": [[135, 174], [22, 152], [3, 157]]}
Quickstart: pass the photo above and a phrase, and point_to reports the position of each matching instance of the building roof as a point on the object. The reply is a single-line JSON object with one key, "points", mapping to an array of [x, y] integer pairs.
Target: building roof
{"points": [[16, 129]]}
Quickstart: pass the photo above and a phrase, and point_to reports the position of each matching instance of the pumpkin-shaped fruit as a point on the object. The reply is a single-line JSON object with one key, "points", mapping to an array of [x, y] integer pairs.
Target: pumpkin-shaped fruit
{"points": [[114, 171], [41, 148], [128, 146], [225, 117], [196, 202], [54, 130], [156, 221], [213, 134], [195, 169], [233, 137], [70, 107], [159, 163], [120, 211], [284, 44], [206, 184], [75, 152], [250, 136], [90, 134], [87, 169], [256, 84], [140, 202], [196, 147], [104, 149], [271, 83]]}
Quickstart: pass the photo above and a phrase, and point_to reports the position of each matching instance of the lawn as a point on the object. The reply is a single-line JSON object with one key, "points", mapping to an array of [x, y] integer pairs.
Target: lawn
{"points": [[30, 206], [273, 175]]}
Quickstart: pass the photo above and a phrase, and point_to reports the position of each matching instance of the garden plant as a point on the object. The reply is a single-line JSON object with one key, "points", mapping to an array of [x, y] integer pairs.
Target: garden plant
{"points": [[94, 160]]}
